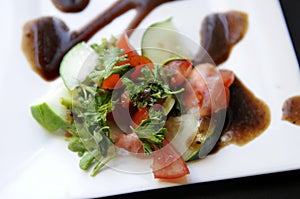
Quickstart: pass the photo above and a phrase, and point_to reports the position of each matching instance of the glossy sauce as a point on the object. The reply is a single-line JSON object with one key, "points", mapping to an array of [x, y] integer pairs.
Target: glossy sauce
{"points": [[70, 5], [44, 43], [247, 117], [219, 33], [47, 39], [291, 110]]}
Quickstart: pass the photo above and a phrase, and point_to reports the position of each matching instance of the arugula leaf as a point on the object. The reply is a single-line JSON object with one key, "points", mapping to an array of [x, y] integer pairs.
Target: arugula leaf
{"points": [[91, 105], [151, 131], [109, 60], [87, 160], [76, 145], [105, 44]]}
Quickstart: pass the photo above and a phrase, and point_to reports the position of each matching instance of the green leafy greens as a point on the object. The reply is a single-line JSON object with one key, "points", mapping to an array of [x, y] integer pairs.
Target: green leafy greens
{"points": [[151, 131], [91, 136], [150, 88]]}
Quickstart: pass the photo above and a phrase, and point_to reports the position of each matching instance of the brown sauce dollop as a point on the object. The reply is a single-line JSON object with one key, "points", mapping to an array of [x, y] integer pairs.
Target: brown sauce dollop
{"points": [[219, 33], [70, 5], [291, 110], [247, 117], [44, 41]]}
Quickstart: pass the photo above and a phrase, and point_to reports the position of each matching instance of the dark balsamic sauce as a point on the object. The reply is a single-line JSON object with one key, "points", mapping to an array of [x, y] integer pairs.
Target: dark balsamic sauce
{"points": [[247, 117], [219, 33], [291, 110], [47, 39], [44, 43], [71, 6]]}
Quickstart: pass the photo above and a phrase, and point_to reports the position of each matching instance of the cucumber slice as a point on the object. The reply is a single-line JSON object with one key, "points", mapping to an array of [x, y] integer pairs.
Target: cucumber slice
{"points": [[207, 136], [77, 64], [168, 105], [194, 138], [161, 41], [182, 130], [49, 112]]}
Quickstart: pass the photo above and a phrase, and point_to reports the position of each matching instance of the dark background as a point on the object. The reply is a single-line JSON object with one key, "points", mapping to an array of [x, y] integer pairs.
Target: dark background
{"points": [[277, 185]]}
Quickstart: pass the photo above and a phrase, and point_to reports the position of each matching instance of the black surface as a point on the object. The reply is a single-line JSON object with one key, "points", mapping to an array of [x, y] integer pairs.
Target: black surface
{"points": [[291, 10], [277, 185]]}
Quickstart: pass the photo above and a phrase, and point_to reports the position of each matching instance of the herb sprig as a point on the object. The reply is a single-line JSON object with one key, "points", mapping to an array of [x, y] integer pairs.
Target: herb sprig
{"points": [[150, 88], [151, 131], [91, 136]]}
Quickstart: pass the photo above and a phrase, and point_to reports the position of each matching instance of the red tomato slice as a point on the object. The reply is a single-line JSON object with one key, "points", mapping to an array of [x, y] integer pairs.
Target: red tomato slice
{"points": [[139, 62], [210, 88], [130, 142], [140, 115], [123, 43], [227, 76], [112, 82], [168, 164], [179, 70]]}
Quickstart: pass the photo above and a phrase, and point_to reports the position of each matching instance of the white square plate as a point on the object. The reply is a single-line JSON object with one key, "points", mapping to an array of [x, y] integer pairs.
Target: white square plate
{"points": [[35, 164]]}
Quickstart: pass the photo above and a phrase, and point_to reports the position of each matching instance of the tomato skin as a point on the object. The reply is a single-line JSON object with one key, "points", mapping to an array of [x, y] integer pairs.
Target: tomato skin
{"points": [[123, 43], [133, 58], [208, 89], [112, 82], [168, 164], [139, 62], [140, 115], [130, 142], [179, 69], [227, 76]]}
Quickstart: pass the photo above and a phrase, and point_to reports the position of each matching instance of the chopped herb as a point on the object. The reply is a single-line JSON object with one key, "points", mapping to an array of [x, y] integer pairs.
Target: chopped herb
{"points": [[151, 131], [90, 107], [150, 88]]}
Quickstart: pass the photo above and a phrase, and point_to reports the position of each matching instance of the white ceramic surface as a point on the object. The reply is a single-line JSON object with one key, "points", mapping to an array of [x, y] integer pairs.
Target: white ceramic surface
{"points": [[35, 164]]}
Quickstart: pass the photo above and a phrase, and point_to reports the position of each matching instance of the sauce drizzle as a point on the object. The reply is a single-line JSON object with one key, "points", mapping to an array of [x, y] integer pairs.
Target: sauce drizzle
{"points": [[291, 110], [47, 39], [70, 6], [247, 117], [219, 33]]}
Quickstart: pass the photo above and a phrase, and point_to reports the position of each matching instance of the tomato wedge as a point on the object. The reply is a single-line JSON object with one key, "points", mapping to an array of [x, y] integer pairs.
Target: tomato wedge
{"points": [[227, 76], [140, 115], [209, 87], [112, 82], [178, 69], [123, 43], [139, 61], [130, 142], [168, 164]]}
